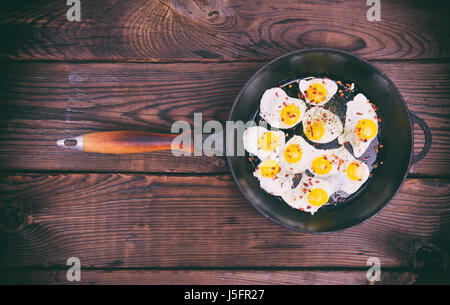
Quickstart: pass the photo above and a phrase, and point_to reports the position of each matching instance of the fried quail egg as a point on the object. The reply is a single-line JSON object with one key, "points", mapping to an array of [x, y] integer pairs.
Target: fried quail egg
{"points": [[351, 173], [361, 125], [296, 155], [321, 125], [317, 91], [262, 142], [327, 162], [280, 110], [271, 177], [309, 195]]}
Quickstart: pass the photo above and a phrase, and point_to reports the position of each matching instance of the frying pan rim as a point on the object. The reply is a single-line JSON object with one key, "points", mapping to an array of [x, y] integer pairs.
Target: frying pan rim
{"points": [[405, 108]]}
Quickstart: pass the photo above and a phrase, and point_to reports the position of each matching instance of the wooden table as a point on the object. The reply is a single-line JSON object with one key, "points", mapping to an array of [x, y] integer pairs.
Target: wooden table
{"points": [[157, 219]]}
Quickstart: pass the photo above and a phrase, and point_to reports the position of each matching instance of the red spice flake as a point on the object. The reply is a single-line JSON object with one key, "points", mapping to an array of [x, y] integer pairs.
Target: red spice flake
{"points": [[370, 175], [305, 184], [276, 94], [339, 82], [310, 183], [340, 162], [308, 207], [250, 159], [381, 146], [317, 181], [379, 120], [341, 95], [302, 209], [290, 86], [359, 113]]}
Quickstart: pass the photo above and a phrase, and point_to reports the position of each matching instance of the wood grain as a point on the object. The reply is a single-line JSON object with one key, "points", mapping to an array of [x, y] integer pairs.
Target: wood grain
{"points": [[122, 220], [200, 277], [44, 102], [230, 30]]}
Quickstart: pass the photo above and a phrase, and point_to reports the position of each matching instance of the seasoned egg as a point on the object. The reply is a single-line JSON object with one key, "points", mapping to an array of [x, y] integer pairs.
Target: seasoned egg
{"points": [[280, 110], [271, 177], [296, 155], [351, 177], [361, 125], [318, 91], [321, 125], [309, 195], [262, 142]]}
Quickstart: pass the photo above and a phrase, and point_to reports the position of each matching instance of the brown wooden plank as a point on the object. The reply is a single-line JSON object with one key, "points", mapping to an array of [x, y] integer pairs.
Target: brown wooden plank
{"points": [[188, 30], [43, 102], [121, 220], [209, 277]]}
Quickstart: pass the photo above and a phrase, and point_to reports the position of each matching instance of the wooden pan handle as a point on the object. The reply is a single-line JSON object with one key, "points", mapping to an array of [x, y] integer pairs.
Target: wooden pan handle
{"points": [[122, 142]]}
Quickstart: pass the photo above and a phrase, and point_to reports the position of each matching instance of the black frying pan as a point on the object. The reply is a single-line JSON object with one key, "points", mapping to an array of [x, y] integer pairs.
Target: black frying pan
{"points": [[397, 138]]}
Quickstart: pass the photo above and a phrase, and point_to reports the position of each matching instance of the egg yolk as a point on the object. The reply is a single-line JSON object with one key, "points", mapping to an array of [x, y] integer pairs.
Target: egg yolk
{"points": [[293, 153], [315, 131], [268, 141], [354, 171], [317, 197], [321, 165], [366, 129], [316, 93], [290, 114], [269, 168]]}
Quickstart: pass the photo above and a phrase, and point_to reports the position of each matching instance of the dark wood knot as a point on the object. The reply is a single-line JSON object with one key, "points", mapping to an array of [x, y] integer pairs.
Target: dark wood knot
{"points": [[429, 255], [11, 218], [220, 163]]}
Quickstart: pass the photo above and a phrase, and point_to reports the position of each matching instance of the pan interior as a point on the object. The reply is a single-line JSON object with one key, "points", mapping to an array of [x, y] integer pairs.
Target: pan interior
{"points": [[396, 138]]}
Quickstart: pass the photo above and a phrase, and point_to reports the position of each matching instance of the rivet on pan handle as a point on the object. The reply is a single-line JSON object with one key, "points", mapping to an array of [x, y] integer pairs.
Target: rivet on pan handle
{"points": [[426, 130]]}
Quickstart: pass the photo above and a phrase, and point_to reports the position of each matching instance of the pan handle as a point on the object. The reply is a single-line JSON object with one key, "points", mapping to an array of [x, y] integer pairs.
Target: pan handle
{"points": [[426, 130], [121, 142]]}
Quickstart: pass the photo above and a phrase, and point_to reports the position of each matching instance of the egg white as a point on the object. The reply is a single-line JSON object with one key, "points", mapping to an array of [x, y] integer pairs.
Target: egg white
{"points": [[273, 101], [358, 109], [339, 177], [251, 136], [329, 85], [308, 152], [298, 197], [331, 122], [273, 185]]}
